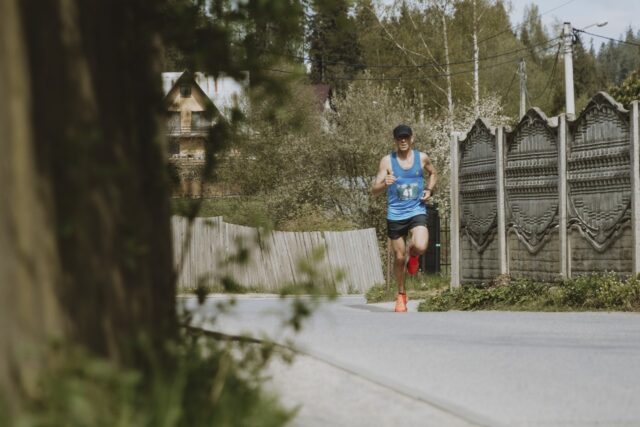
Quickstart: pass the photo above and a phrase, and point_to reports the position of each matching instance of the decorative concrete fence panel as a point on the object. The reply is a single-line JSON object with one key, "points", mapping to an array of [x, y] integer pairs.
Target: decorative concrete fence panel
{"points": [[478, 204], [553, 198], [532, 198], [213, 249], [599, 188]]}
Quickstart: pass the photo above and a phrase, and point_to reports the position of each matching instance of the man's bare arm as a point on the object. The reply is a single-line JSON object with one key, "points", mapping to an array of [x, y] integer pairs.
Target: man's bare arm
{"points": [[433, 177], [433, 174], [383, 178]]}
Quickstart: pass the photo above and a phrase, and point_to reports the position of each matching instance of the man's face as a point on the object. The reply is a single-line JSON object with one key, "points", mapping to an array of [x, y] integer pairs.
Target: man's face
{"points": [[403, 142]]}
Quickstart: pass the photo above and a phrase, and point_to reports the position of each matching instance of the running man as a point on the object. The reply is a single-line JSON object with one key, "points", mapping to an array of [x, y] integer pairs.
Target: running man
{"points": [[401, 174]]}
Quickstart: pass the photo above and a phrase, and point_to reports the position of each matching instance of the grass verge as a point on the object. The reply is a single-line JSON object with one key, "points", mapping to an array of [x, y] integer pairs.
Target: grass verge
{"points": [[420, 286], [597, 292], [256, 211], [247, 211]]}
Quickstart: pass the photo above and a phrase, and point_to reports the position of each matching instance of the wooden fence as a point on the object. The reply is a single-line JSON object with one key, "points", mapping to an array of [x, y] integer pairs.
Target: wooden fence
{"points": [[273, 260]]}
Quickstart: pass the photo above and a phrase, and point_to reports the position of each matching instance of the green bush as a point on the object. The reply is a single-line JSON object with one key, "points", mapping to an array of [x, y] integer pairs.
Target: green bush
{"points": [[247, 211], [380, 293], [606, 291], [628, 90]]}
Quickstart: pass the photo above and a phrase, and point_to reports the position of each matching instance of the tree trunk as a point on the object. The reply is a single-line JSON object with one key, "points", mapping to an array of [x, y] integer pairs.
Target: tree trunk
{"points": [[448, 66], [85, 212], [476, 61], [29, 265]]}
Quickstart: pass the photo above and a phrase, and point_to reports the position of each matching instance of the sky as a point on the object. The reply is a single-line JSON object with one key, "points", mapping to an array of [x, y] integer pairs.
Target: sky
{"points": [[619, 14]]}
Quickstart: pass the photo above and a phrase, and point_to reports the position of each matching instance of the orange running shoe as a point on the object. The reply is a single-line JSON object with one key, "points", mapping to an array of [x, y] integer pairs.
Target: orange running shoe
{"points": [[404, 298], [401, 307]]}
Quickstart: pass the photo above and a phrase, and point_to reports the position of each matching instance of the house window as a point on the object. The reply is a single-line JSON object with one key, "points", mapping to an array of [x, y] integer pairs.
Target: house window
{"points": [[200, 121], [173, 122], [185, 91]]}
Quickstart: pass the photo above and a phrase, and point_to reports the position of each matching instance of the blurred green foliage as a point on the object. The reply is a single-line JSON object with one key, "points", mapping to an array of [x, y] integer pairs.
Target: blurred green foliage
{"points": [[213, 382]]}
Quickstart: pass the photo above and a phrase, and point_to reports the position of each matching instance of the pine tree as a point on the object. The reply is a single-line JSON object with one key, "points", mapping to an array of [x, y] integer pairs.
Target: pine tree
{"points": [[333, 44], [617, 60], [532, 32]]}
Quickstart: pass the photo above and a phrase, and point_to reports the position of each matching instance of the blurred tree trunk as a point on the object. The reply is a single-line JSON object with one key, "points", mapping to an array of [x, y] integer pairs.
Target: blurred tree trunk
{"points": [[29, 265], [85, 210]]}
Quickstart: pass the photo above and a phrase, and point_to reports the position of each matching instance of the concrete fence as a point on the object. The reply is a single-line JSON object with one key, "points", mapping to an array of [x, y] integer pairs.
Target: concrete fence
{"points": [[552, 198], [273, 260]]}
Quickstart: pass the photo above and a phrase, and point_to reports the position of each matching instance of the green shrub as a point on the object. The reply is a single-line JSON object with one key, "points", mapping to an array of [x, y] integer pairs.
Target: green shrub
{"points": [[310, 218], [247, 211], [380, 293], [628, 90], [606, 291]]}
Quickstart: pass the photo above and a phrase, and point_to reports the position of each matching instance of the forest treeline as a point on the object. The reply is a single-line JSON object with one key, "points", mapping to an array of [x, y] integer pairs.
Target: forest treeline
{"points": [[410, 44], [430, 48]]}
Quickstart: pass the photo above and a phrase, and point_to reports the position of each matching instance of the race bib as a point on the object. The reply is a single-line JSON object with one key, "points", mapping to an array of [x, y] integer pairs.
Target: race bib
{"points": [[407, 191]]}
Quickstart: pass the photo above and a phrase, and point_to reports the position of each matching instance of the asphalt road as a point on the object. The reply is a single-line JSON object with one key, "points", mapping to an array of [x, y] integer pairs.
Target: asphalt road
{"points": [[365, 365]]}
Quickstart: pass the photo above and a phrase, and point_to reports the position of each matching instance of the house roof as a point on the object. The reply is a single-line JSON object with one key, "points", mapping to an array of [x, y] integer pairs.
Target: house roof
{"points": [[225, 92]]}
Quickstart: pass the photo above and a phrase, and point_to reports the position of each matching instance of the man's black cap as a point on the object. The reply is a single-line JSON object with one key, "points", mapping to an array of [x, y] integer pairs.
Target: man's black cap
{"points": [[402, 130]]}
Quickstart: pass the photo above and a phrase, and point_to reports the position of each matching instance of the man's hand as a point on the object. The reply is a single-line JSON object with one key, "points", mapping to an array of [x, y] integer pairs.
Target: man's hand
{"points": [[389, 179], [426, 195]]}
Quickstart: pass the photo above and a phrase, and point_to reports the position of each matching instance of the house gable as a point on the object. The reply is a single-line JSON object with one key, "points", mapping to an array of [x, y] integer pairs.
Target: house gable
{"points": [[225, 93], [196, 101]]}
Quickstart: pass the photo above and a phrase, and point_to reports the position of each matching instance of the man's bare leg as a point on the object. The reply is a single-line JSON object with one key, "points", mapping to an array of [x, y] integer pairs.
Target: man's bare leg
{"points": [[419, 240], [399, 250]]}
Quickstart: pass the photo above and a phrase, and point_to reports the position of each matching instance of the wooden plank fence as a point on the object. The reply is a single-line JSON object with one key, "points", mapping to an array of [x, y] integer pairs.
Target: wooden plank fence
{"points": [[273, 261]]}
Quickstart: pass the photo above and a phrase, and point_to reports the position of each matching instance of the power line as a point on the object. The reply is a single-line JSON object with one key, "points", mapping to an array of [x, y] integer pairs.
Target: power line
{"points": [[608, 38], [510, 84], [429, 64], [511, 61], [551, 75], [518, 26]]}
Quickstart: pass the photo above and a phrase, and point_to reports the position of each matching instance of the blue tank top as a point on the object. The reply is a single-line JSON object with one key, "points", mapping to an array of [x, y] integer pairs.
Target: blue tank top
{"points": [[403, 196]]}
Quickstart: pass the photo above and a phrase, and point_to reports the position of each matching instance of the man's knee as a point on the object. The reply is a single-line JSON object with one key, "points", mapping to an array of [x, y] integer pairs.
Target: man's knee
{"points": [[419, 248], [419, 240]]}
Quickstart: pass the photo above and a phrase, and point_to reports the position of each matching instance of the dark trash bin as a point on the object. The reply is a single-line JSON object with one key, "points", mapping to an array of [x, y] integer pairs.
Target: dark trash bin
{"points": [[430, 260]]}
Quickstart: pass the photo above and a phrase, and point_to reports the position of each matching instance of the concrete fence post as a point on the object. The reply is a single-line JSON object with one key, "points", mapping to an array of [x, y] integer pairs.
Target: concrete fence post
{"points": [[454, 225], [635, 185], [562, 197], [502, 204]]}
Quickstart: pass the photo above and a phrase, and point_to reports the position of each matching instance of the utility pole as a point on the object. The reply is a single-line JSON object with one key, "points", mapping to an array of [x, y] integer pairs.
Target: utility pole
{"points": [[523, 87], [568, 70]]}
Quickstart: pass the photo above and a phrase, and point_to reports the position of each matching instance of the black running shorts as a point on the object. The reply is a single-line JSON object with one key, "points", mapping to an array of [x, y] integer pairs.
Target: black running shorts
{"points": [[397, 229]]}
